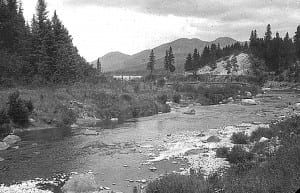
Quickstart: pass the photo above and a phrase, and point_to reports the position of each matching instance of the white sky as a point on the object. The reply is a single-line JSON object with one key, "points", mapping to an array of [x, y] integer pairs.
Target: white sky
{"points": [[130, 26]]}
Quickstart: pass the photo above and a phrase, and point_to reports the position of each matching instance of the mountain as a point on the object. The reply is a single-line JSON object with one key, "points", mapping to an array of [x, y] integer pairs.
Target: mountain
{"points": [[117, 61], [112, 61]]}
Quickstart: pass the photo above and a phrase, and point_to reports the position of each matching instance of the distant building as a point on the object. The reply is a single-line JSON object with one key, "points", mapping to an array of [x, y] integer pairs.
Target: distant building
{"points": [[127, 78]]}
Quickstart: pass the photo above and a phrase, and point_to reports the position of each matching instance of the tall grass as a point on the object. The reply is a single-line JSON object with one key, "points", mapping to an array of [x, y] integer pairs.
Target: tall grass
{"points": [[278, 173]]}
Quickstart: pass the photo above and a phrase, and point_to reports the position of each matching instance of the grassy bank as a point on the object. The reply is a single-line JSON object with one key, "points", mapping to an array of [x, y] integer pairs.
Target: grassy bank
{"points": [[59, 105], [211, 94], [269, 166]]}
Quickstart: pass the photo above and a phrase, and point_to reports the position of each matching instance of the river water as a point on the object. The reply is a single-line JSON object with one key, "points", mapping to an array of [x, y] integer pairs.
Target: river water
{"points": [[118, 155]]}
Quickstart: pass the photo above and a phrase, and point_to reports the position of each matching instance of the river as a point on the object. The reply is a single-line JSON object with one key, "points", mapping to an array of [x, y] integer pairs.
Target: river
{"points": [[124, 153]]}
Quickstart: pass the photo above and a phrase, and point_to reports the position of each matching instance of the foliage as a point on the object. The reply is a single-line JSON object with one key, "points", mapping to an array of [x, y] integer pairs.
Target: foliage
{"points": [[176, 98], [150, 64], [239, 138], [161, 82], [169, 61], [239, 155], [18, 109], [262, 132], [222, 152], [176, 183], [4, 123], [162, 98], [39, 53], [66, 116]]}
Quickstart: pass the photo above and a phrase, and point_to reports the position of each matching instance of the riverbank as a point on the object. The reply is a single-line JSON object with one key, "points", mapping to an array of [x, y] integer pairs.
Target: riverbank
{"points": [[135, 144]]}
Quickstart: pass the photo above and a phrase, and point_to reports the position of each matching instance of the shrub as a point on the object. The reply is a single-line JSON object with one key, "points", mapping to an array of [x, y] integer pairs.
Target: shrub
{"points": [[239, 155], [161, 82], [4, 123], [176, 98], [175, 183], [4, 119], [162, 99], [19, 110], [239, 138], [66, 117], [222, 152], [262, 132]]}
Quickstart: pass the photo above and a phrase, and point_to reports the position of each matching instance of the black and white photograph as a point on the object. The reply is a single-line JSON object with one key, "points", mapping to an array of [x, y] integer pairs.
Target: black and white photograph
{"points": [[149, 96]]}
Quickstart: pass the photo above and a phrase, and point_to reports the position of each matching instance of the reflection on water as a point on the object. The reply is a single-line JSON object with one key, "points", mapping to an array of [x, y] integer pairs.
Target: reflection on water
{"points": [[52, 134]]}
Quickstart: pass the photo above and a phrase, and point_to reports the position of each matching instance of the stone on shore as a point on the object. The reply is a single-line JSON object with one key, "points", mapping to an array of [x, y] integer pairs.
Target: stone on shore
{"points": [[82, 183], [249, 102], [90, 132], [11, 139], [3, 146], [263, 139], [213, 139]]}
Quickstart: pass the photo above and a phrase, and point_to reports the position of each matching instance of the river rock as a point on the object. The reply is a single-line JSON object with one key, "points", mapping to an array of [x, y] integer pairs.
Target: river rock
{"points": [[297, 106], [263, 139], [249, 102], [3, 146], [90, 132], [213, 139], [249, 94], [82, 183], [190, 112], [11, 139], [1, 159]]}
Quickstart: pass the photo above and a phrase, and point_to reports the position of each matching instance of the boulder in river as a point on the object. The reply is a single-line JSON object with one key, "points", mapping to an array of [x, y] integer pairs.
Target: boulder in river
{"points": [[11, 139], [263, 139], [249, 102], [297, 106], [3, 146], [90, 132], [213, 139], [81, 183], [190, 112]]}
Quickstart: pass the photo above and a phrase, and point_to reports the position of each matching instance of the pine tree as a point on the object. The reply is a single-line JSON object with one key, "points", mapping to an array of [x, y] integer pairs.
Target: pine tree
{"points": [[188, 63], [99, 65], [268, 34], [297, 42], [166, 61], [171, 60], [150, 65]]}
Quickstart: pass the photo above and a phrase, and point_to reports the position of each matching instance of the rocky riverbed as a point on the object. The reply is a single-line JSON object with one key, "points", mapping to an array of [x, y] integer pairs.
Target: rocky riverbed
{"points": [[133, 153]]}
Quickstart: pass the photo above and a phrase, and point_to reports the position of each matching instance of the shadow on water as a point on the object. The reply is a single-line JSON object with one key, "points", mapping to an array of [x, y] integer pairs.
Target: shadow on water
{"points": [[53, 134]]}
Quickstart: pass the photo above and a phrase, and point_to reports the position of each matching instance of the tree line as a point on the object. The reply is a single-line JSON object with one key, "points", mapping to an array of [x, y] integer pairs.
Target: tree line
{"points": [[169, 62], [40, 51], [210, 55], [280, 55]]}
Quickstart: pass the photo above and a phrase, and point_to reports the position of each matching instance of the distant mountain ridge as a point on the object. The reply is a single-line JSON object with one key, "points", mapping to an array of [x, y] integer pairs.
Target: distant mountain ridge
{"points": [[117, 61]]}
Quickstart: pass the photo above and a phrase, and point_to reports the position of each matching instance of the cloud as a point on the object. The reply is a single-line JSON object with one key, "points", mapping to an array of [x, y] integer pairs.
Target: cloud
{"points": [[233, 10]]}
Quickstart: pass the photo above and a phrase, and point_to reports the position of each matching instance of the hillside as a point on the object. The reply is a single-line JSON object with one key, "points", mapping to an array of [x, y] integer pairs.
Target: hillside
{"points": [[110, 60], [243, 66], [120, 62]]}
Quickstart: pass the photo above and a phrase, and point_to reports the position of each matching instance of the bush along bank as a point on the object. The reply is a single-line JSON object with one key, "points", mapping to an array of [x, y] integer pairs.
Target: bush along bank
{"points": [[211, 95], [269, 162]]}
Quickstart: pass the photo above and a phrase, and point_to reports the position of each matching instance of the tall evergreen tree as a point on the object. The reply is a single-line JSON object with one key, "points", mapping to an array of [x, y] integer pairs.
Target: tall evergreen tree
{"points": [[297, 42], [188, 63], [166, 60], [150, 65], [171, 59]]}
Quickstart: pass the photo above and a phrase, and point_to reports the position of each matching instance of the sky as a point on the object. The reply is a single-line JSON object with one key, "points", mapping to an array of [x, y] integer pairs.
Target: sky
{"points": [[130, 26]]}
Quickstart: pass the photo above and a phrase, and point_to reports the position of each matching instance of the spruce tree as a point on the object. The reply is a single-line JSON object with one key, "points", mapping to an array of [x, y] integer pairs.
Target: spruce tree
{"points": [[297, 42], [171, 60], [166, 61], [188, 63], [150, 64]]}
